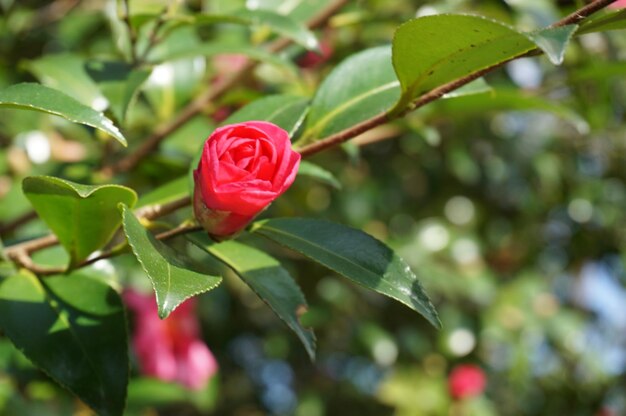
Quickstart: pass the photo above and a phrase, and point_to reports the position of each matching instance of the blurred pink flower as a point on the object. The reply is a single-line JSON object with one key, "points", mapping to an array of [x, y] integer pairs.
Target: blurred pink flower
{"points": [[619, 4], [170, 349], [466, 380]]}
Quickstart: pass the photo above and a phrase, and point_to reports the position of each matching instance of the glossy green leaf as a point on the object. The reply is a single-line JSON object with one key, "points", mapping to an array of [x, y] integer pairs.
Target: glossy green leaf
{"points": [[359, 88], [83, 217], [353, 254], [314, 171], [615, 20], [174, 276], [267, 278], [286, 111], [165, 193], [73, 328], [432, 50], [30, 96], [119, 82], [66, 72], [553, 41]]}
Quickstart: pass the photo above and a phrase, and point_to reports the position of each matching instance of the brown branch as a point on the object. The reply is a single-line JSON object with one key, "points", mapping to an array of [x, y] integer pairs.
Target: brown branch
{"points": [[438, 92], [150, 212], [17, 222], [22, 257], [194, 108]]}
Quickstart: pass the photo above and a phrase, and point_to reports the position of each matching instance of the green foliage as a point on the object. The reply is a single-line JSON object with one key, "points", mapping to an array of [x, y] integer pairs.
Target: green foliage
{"points": [[350, 95], [28, 96], [353, 254], [286, 111], [268, 279], [73, 328], [175, 278], [83, 217], [505, 196]]}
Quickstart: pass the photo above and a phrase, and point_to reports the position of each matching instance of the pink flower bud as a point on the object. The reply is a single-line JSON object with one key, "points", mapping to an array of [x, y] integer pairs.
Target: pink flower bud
{"points": [[243, 168], [170, 349], [619, 4], [466, 380]]}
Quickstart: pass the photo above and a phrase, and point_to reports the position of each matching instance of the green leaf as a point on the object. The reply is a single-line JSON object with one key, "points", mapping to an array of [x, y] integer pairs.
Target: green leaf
{"points": [[316, 172], [66, 72], [353, 254], [286, 111], [174, 276], [30, 96], [553, 41], [283, 25], [73, 328], [83, 217], [119, 82], [611, 21], [432, 50], [168, 192], [359, 88], [267, 278]]}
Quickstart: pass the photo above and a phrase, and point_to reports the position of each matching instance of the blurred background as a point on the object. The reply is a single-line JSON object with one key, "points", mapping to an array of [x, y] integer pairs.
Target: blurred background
{"points": [[510, 207]]}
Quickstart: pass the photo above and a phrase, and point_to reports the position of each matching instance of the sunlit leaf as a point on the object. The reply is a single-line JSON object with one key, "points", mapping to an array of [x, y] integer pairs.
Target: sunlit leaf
{"points": [[175, 277], [83, 217], [30, 96]]}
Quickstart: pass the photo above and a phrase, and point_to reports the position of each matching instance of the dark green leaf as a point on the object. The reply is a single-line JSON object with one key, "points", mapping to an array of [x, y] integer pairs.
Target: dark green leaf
{"points": [[353, 254], [73, 328], [83, 217], [29, 96], [351, 94], [174, 276], [286, 111], [611, 21], [267, 278], [316, 172]]}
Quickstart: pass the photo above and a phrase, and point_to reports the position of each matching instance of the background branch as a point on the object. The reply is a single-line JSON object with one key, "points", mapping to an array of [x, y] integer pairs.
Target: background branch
{"points": [[152, 142]]}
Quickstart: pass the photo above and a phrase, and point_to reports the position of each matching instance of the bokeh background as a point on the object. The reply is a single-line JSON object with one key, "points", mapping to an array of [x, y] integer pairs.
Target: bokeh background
{"points": [[510, 206]]}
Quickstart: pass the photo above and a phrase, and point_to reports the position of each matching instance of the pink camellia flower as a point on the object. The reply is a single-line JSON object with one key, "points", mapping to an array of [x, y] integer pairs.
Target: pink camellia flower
{"points": [[170, 349], [243, 168], [619, 4], [466, 380]]}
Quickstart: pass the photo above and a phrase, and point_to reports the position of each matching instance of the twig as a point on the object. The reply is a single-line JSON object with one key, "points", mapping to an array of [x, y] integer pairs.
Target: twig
{"points": [[153, 37], [131, 31], [152, 142], [18, 222], [438, 92]]}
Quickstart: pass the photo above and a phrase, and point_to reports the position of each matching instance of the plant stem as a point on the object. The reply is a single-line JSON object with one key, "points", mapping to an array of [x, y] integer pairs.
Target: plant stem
{"points": [[438, 92], [196, 106]]}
